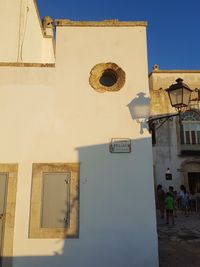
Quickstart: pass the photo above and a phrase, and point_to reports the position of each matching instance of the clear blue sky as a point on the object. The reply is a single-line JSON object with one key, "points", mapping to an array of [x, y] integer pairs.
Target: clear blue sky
{"points": [[173, 30]]}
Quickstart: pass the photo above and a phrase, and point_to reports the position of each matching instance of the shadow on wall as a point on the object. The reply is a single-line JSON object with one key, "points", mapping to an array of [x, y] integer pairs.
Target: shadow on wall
{"points": [[117, 226], [139, 108]]}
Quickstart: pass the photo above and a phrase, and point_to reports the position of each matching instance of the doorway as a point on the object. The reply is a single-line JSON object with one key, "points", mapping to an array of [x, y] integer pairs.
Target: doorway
{"points": [[194, 182]]}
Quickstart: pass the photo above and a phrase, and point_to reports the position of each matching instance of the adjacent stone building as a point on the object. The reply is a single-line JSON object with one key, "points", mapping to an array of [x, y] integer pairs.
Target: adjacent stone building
{"points": [[176, 142]]}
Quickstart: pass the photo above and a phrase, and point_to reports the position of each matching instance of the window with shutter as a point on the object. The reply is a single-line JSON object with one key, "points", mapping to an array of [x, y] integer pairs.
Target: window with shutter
{"points": [[54, 200]]}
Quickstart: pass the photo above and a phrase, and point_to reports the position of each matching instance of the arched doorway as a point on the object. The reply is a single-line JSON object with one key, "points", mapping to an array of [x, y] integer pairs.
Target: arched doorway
{"points": [[191, 175]]}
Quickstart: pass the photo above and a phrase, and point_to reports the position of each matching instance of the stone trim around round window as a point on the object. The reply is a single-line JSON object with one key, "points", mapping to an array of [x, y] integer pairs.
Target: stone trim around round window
{"points": [[107, 77]]}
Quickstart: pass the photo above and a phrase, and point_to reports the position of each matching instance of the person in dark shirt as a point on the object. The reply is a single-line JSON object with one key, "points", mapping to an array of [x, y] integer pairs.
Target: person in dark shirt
{"points": [[160, 201]]}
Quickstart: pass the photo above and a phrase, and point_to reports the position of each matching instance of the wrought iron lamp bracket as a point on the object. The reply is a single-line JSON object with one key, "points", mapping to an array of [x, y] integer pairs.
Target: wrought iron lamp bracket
{"points": [[157, 122]]}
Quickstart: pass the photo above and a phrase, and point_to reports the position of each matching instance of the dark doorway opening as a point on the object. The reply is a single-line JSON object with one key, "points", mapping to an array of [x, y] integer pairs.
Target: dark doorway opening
{"points": [[194, 182]]}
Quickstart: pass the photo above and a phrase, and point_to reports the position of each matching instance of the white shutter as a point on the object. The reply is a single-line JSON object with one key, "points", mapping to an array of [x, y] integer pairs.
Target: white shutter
{"points": [[55, 200], [3, 193]]}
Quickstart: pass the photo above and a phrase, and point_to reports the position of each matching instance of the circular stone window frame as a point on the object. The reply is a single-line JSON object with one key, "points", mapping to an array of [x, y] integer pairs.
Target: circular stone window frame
{"points": [[98, 71]]}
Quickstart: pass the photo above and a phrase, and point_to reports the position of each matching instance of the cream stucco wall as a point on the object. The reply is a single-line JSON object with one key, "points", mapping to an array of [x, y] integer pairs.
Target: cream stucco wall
{"points": [[22, 37], [54, 115]]}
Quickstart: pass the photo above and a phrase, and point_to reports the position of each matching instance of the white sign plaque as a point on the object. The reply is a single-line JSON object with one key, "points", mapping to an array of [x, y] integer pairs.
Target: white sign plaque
{"points": [[120, 145]]}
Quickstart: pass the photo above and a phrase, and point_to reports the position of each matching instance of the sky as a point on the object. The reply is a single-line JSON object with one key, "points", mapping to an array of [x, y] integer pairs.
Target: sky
{"points": [[173, 32]]}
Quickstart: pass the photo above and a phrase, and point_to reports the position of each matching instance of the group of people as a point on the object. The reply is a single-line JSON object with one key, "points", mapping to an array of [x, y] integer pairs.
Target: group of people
{"points": [[169, 202]]}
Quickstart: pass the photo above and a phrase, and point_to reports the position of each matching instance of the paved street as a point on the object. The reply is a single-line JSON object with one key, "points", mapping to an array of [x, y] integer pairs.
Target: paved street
{"points": [[179, 245]]}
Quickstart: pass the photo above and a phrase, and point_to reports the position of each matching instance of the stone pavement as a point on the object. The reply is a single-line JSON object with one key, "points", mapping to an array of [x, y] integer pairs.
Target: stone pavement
{"points": [[179, 245]]}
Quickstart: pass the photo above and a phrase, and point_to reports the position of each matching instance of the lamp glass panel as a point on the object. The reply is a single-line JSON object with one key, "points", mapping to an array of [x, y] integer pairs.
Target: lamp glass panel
{"points": [[176, 97], [186, 96]]}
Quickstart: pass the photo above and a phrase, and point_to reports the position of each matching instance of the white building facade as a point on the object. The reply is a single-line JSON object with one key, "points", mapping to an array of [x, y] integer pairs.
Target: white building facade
{"points": [[76, 174]]}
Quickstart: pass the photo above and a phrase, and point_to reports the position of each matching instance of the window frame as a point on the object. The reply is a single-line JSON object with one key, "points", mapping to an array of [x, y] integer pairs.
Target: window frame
{"points": [[188, 133], [9, 216], [72, 229], [97, 72]]}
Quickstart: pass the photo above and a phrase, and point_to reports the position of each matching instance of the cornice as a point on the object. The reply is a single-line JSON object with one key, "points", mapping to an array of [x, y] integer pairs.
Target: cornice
{"points": [[104, 23], [173, 71], [19, 64]]}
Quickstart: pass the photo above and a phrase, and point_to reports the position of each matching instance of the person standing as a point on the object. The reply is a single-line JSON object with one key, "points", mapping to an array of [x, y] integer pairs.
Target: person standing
{"points": [[160, 201], [184, 199], [174, 195], [169, 206]]}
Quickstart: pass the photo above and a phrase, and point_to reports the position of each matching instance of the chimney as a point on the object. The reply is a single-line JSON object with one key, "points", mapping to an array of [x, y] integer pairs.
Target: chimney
{"points": [[47, 24]]}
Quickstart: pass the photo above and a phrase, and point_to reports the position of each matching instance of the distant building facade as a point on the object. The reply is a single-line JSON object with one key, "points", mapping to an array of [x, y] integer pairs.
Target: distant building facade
{"points": [[176, 142], [76, 174]]}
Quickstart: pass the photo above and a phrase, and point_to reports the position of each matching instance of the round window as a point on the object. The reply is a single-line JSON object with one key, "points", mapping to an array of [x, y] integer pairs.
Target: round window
{"points": [[107, 77]]}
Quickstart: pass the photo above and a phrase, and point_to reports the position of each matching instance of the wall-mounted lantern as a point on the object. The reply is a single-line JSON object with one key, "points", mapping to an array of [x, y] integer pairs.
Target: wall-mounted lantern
{"points": [[179, 95], [168, 174]]}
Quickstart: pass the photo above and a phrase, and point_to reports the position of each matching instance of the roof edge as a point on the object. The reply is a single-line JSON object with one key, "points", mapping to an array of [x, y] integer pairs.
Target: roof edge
{"points": [[104, 23], [173, 71], [20, 64]]}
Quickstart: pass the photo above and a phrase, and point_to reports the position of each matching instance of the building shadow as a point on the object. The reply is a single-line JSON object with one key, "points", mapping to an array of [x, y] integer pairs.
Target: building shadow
{"points": [[117, 222]]}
